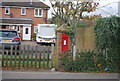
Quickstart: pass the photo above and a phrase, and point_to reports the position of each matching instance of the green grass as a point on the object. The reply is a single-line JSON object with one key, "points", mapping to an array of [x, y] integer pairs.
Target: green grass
{"points": [[23, 57], [26, 62]]}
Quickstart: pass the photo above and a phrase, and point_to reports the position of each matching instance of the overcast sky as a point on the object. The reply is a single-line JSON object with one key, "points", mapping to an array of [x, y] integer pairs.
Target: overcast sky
{"points": [[106, 8]]}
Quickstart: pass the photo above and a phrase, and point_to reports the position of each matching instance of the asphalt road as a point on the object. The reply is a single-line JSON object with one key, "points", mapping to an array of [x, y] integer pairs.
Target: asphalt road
{"points": [[59, 80], [56, 75]]}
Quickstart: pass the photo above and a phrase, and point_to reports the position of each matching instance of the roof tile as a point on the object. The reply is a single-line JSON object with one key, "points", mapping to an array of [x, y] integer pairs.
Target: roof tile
{"points": [[25, 3]]}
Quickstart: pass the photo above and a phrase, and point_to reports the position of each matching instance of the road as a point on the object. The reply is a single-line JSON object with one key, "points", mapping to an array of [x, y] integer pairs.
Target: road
{"points": [[56, 75]]}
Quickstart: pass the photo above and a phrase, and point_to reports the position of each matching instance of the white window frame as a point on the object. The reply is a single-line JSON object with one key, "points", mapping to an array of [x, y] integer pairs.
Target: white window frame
{"points": [[22, 11], [17, 28], [11, 27], [38, 12], [8, 10]]}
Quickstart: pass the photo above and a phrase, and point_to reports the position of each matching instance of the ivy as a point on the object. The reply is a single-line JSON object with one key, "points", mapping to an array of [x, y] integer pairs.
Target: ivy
{"points": [[70, 33]]}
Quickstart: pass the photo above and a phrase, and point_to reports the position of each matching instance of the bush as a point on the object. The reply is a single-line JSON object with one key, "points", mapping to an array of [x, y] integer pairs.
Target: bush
{"points": [[107, 34], [87, 61], [34, 36]]}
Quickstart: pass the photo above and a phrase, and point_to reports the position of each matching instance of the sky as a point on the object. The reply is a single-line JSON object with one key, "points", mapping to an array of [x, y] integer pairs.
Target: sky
{"points": [[107, 8]]}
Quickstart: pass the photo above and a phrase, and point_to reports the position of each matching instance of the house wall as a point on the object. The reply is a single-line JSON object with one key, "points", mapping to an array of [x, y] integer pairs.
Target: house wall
{"points": [[29, 14]]}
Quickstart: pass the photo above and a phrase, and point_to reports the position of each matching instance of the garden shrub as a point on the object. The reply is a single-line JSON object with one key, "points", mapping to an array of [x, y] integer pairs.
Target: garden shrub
{"points": [[86, 61], [106, 55], [34, 36]]}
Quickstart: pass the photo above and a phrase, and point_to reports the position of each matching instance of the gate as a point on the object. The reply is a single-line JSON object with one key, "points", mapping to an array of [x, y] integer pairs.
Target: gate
{"points": [[27, 57]]}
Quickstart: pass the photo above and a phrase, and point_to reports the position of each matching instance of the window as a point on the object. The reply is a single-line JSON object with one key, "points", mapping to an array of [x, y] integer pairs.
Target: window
{"points": [[7, 10], [11, 27], [38, 12], [8, 33], [18, 29], [3, 27], [23, 11], [26, 31]]}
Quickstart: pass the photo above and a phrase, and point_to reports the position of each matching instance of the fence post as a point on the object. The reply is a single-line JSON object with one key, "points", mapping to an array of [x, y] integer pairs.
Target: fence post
{"points": [[20, 53], [3, 56], [52, 55], [15, 55], [11, 53], [36, 53], [6, 59]]}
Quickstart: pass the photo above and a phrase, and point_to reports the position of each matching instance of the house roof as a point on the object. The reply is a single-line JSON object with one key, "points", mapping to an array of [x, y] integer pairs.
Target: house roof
{"points": [[24, 3], [16, 20]]}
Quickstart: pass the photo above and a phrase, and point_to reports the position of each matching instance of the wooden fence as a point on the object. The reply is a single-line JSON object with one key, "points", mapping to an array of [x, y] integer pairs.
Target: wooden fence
{"points": [[28, 57]]}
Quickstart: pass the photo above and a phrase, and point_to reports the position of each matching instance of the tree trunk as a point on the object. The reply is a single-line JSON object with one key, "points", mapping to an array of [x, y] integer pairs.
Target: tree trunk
{"points": [[74, 52], [74, 44]]}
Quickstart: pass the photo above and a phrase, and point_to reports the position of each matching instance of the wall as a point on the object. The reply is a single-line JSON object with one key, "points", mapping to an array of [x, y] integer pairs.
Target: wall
{"points": [[58, 49], [29, 14], [85, 39]]}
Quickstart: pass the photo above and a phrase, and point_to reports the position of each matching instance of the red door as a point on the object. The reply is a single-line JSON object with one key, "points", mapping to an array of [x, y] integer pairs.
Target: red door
{"points": [[64, 42]]}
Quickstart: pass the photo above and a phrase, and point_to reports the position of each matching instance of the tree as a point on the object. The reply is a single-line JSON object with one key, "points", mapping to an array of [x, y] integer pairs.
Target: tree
{"points": [[70, 13]]}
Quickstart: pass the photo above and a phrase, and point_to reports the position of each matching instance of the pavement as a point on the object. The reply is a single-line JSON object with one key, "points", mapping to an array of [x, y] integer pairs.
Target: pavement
{"points": [[56, 75]]}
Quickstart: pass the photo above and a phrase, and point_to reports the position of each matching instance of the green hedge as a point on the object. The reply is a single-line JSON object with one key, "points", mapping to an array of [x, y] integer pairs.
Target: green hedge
{"points": [[107, 34], [86, 61]]}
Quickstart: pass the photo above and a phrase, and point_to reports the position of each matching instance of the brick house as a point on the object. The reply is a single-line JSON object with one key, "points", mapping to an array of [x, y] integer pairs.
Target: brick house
{"points": [[23, 17]]}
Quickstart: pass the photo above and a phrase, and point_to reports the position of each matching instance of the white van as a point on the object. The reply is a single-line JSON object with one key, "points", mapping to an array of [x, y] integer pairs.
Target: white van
{"points": [[46, 33]]}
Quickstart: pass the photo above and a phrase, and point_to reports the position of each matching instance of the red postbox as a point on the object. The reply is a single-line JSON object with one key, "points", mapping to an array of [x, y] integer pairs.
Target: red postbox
{"points": [[64, 46]]}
